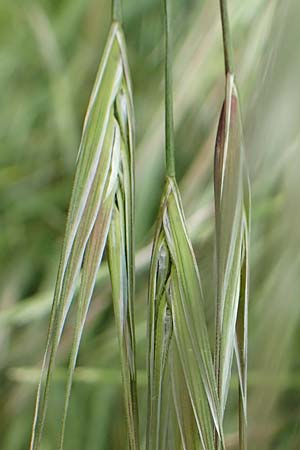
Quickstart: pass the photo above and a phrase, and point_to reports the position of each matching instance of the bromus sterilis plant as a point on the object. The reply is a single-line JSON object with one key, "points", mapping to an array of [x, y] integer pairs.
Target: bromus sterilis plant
{"points": [[100, 215], [232, 219], [179, 350], [52, 53], [187, 384]]}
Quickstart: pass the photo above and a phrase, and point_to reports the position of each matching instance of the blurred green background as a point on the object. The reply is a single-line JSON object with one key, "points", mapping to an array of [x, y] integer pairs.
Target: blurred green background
{"points": [[49, 55]]}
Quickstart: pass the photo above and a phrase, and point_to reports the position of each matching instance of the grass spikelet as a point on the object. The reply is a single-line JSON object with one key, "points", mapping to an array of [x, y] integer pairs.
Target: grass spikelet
{"points": [[232, 206], [101, 205], [232, 247], [176, 313], [229, 210], [174, 277]]}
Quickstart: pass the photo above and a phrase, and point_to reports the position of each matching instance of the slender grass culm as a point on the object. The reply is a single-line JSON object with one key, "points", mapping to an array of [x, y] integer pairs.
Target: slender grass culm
{"points": [[179, 352], [100, 213], [232, 217]]}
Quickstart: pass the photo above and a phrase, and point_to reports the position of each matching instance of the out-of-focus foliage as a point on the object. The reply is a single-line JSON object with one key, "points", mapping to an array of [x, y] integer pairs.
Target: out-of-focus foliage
{"points": [[48, 59]]}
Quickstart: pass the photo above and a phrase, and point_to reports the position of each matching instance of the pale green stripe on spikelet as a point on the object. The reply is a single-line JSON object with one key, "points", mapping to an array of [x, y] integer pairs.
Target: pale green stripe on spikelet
{"points": [[102, 192], [183, 406], [241, 344]]}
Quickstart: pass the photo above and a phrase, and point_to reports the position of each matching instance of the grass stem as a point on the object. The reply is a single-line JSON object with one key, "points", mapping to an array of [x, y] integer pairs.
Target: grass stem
{"points": [[116, 11], [227, 41], [169, 121]]}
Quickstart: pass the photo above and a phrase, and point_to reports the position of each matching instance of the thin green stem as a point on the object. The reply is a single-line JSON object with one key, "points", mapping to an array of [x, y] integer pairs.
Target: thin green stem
{"points": [[169, 122], [116, 11], [227, 42]]}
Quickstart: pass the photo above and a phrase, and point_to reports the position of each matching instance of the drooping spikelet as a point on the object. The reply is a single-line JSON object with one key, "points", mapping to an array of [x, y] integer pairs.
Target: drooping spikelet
{"points": [[100, 212], [177, 321], [232, 247]]}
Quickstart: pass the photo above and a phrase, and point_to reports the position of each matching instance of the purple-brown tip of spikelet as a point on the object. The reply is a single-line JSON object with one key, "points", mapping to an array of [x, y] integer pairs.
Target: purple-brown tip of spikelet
{"points": [[219, 149], [234, 108], [220, 139]]}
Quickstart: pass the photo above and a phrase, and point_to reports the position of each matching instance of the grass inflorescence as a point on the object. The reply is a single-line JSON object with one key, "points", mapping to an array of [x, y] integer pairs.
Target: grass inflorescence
{"points": [[188, 383], [100, 215]]}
